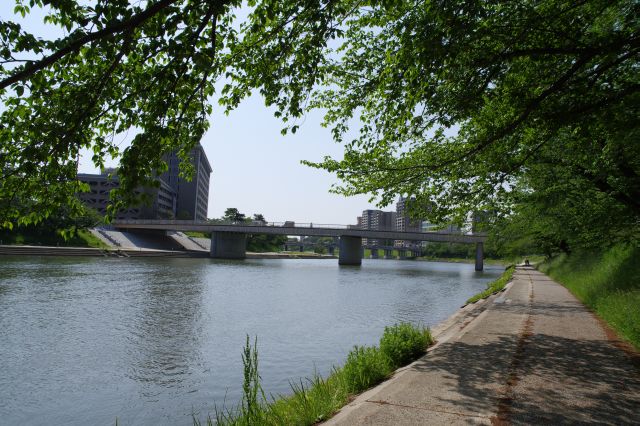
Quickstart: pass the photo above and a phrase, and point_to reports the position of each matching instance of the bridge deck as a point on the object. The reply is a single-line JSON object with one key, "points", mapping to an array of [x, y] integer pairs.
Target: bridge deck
{"points": [[309, 231]]}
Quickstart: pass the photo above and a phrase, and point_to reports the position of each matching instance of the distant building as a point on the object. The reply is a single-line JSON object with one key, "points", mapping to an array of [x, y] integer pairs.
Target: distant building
{"points": [[377, 220], [404, 222], [174, 198], [192, 196], [163, 199]]}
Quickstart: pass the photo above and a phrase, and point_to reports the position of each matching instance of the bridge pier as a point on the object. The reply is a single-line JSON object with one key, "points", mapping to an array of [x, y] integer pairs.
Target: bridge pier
{"points": [[388, 254], [350, 250], [479, 256], [402, 254], [228, 245], [374, 254], [332, 250]]}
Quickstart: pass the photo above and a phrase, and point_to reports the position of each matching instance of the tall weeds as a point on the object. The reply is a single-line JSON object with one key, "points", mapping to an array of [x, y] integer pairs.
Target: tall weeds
{"points": [[317, 399], [251, 386]]}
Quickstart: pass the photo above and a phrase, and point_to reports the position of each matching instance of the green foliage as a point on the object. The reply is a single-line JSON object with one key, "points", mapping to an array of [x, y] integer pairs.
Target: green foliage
{"points": [[65, 226], [317, 399], [118, 66], [402, 343], [233, 215], [436, 250], [365, 367], [87, 239], [183, 215], [525, 109], [258, 243], [321, 244], [495, 286], [311, 401], [534, 107], [38, 236], [261, 243], [607, 281], [197, 234], [320, 250]]}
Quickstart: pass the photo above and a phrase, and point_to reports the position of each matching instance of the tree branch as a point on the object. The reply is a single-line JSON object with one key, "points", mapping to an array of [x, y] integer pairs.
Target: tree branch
{"points": [[73, 46]]}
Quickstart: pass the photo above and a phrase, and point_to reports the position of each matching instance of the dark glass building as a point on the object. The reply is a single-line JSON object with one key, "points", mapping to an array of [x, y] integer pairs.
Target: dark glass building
{"points": [[174, 198], [192, 196]]}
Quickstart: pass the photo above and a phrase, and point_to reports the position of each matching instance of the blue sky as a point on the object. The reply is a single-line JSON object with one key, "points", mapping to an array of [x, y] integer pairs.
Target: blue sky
{"points": [[255, 168]]}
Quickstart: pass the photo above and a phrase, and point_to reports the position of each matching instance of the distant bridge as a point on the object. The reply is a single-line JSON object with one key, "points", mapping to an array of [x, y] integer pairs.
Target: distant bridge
{"points": [[404, 251], [228, 240]]}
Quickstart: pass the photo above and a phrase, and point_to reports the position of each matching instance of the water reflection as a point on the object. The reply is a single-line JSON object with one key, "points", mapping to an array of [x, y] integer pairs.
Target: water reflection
{"points": [[152, 340], [165, 335]]}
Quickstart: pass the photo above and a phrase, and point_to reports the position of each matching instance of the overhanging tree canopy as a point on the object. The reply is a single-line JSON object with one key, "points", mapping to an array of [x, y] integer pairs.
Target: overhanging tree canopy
{"points": [[464, 104]]}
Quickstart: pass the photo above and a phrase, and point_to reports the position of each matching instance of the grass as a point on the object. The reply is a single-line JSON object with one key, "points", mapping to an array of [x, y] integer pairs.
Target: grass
{"points": [[91, 240], [317, 399], [196, 234], [494, 286], [608, 282], [304, 253], [83, 238]]}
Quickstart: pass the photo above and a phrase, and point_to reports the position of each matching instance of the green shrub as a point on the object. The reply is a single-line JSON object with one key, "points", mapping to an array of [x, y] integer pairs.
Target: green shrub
{"points": [[403, 343], [365, 367]]}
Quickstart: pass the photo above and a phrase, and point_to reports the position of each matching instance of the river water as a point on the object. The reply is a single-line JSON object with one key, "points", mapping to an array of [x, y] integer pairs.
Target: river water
{"points": [[155, 341]]}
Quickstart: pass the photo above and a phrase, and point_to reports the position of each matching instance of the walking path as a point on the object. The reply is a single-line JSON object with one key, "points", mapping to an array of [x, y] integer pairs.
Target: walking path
{"points": [[530, 355]]}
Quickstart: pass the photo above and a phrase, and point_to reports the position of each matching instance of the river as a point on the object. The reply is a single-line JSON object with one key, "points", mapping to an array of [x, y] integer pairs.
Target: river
{"points": [[155, 341]]}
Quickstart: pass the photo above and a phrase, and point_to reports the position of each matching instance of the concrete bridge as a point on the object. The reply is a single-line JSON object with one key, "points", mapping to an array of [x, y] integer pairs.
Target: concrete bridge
{"points": [[228, 240]]}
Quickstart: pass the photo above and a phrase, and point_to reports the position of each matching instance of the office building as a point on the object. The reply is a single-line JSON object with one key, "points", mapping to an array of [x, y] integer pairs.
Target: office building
{"points": [[377, 220], [192, 196], [163, 198], [174, 198], [404, 222]]}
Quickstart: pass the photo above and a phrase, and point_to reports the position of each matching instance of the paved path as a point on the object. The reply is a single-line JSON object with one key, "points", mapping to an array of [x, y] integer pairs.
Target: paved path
{"points": [[531, 355]]}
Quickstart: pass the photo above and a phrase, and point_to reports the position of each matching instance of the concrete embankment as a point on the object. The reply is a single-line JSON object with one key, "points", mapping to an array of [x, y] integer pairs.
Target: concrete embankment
{"points": [[17, 250], [10, 250], [532, 354]]}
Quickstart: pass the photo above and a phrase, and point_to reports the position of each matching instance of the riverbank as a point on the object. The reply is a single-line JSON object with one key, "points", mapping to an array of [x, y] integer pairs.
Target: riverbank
{"points": [[285, 255], [37, 250], [532, 354], [494, 286], [82, 238], [27, 250], [607, 282], [365, 367]]}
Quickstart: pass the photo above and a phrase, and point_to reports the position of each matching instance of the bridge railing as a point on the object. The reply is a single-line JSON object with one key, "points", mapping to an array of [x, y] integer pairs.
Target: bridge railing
{"points": [[287, 224]]}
